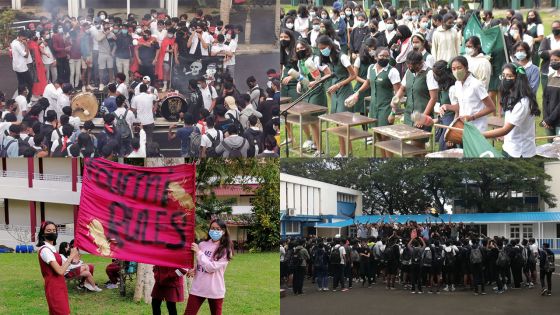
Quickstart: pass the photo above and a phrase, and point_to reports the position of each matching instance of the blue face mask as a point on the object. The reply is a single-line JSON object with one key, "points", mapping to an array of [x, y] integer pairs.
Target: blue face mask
{"points": [[326, 52], [124, 32], [215, 235]]}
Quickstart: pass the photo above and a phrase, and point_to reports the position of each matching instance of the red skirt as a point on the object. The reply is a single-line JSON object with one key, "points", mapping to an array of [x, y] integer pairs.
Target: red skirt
{"points": [[170, 294]]}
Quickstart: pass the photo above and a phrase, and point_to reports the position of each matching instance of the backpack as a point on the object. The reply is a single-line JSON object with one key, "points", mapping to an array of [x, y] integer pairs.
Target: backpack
{"points": [[416, 256], [122, 126], [450, 258], [23, 145], [334, 258], [427, 258], [476, 256], [549, 262], [354, 255], [319, 259], [235, 121], [234, 152], [437, 255], [59, 152], [296, 259], [518, 255], [211, 151], [193, 149], [253, 143], [503, 258], [530, 256], [406, 256], [4, 149]]}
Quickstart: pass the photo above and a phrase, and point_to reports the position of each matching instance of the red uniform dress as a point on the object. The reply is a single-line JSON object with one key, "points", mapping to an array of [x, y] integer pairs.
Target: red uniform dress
{"points": [[168, 285], [39, 85], [55, 286]]}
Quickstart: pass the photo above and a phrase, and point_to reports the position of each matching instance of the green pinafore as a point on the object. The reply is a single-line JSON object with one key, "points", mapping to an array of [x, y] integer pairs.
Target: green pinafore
{"points": [[362, 73], [337, 99], [417, 94], [318, 97], [288, 90], [381, 95]]}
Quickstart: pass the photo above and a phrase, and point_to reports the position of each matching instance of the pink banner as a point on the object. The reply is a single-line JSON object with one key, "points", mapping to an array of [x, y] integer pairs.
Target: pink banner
{"points": [[138, 214]]}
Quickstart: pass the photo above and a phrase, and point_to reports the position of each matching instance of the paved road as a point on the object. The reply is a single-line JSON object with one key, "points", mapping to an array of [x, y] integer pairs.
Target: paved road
{"points": [[379, 301]]}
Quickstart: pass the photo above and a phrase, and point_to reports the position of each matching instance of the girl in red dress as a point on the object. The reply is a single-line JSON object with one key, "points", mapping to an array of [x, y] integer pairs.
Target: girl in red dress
{"points": [[41, 82], [53, 268], [169, 287]]}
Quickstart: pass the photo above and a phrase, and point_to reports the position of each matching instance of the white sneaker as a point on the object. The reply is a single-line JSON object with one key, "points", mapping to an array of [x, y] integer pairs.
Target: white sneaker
{"points": [[101, 87], [97, 289], [89, 287], [83, 88], [90, 87], [307, 144], [339, 155], [286, 142]]}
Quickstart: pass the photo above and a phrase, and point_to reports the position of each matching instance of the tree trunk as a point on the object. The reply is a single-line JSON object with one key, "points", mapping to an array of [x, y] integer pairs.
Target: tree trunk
{"points": [[248, 25], [145, 274], [225, 10], [277, 21]]}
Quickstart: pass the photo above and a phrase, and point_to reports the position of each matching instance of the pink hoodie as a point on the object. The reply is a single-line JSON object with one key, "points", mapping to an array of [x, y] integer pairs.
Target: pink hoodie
{"points": [[209, 277]]}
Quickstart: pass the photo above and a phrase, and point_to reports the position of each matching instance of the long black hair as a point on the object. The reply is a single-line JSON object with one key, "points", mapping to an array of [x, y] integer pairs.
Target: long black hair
{"points": [[365, 57], [443, 75], [520, 89], [290, 56], [64, 249], [225, 248], [41, 235], [335, 50]]}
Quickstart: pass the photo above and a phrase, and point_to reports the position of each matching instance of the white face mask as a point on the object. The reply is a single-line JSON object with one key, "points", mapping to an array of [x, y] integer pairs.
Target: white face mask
{"points": [[324, 16], [290, 25], [312, 13], [359, 23], [342, 15], [102, 17], [348, 12], [316, 27], [514, 32], [169, 35], [468, 51], [372, 53], [138, 31]]}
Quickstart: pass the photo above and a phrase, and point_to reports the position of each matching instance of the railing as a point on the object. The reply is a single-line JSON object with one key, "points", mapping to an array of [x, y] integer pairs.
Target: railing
{"points": [[62, 230], [553, 242], [38, 176]]}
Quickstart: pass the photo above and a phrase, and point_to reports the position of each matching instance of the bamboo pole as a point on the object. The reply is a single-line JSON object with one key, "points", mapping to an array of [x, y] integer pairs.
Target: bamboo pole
{"points": [[448, 127]]}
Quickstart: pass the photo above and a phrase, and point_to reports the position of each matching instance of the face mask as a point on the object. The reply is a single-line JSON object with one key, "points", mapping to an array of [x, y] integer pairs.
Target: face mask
{"points": [[300, 54], [326, 52], [51, 236], [324, 16], [390, 27], [415, 17], [359, 23], [372, 29], [199, 86], [145, 37], [228, 36], [383, 62], [284, 43], [138, 30], [169, 35], [372, 53], [424, 25], [342, 15], [323, 30], [556, 31], [468, 51], [555, 65], [459, 74], [348, 12], [215, 235], [60, 30], [520, 55], [416, 46], [312, 13], [115, 31], [513, 32], [316, 27], [102, 17], [47, 36], [406, 17], [508, 83], [124, 32], [290, 25], [530, 20]]}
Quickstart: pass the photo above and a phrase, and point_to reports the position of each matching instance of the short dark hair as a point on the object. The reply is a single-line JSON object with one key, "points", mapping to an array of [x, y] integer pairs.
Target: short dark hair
{"points": [[51, 115], [67, 110], [88, 125], [143, 88]]}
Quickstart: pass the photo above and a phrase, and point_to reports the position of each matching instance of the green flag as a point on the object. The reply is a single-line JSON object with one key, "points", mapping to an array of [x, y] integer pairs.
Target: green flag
{"points": [[475, 145]]}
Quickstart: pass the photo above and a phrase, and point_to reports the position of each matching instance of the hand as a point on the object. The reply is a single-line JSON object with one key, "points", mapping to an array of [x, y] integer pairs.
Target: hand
{"points": [[418, 125], [154, 62], [466, 118], [442, 109], [333, 88], [172, 127], [545, 125], [73, 253], [312, 84], [286, 80], [191, 273], [194, 248]]}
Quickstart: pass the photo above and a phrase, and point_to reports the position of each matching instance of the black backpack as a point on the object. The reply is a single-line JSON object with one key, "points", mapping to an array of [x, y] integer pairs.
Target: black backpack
{"points": [[503, 258], [427, 258], [319, 259], [450, 258], [476, 255], [406, 256], [253, 141], [193, 148], [416, 255], [211, 151], [234, 152], [334, 258], [549, 262], [235, 121], [437, 255], [296, 259], [122, 126], [58, 152], [4, 149]]}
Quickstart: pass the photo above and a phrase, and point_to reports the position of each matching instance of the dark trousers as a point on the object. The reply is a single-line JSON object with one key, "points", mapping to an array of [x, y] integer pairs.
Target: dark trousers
{"points": [[156, 307], [149, 129], [24, 78], [548, 279], [195, 302], [416, 277], [373, 270], [348, 274], [478, 277], [148, 70], [95, 67], [516, 270], [449, 275], [299, 275], [338, 276], [63, 69]]}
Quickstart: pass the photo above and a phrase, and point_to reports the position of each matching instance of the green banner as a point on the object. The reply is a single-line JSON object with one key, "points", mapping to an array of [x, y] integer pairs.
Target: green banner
{"points": [[475, 144]]}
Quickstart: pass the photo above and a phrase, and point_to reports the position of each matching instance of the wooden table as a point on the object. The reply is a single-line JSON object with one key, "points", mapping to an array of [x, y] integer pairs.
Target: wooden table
{"points": [[302, 114], [285, 100], [400, 134], [446, 154], [493, 123], [549, 150], [344, 121]]}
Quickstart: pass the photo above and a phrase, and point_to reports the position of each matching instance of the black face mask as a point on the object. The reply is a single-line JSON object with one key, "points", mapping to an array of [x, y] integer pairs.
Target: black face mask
{"points": [[284, 43], [300, 54], [508, 84], [555, 65], [372, 29], [51, 236], [556, 31], [383, 62], [145, 37]]}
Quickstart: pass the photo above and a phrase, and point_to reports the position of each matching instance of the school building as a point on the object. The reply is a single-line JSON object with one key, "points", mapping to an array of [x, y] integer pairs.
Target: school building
{"points": [[37, 190], [306, 203]]}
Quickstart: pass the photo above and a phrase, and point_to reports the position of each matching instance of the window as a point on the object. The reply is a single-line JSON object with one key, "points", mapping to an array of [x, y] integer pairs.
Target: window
{"points": [[521, 231], [480, 228], [352, 232], [557, 230], [292, 227]]}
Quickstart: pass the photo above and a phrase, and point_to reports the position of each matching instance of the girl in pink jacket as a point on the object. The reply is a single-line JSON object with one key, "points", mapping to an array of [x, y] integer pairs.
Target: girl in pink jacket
{"points": [[212, 258]]}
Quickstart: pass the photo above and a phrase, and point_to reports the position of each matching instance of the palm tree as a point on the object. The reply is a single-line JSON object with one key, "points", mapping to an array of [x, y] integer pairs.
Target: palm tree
{"points": [[277, 21], [225, 10]]}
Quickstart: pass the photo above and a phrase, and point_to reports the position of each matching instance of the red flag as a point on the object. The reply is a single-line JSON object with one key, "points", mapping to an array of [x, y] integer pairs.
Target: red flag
{"points": [[138, 213]]}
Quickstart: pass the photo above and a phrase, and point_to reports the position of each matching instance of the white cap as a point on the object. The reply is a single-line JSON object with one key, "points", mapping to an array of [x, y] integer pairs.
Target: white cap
{"points": [[146, 78]]}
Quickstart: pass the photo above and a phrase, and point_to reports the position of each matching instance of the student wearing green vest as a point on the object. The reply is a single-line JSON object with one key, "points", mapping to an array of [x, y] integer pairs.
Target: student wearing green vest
{"points": [[446, 81], [382, 80], [341, 84], [308, 67], [365, 58], [288, 60], [535, 28], [421, 92]]}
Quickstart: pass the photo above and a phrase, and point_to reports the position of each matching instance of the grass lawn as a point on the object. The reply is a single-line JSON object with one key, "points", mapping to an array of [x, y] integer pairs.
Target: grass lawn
{"points": [[251, 288], [359, 148]]}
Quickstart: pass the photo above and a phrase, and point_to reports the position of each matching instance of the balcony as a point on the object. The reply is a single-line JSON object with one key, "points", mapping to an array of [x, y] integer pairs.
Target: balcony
{"points": [[46, 187]]}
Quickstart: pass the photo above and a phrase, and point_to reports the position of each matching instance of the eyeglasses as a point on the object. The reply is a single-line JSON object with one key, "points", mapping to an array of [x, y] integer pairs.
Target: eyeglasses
{"points": [[506, 77]]}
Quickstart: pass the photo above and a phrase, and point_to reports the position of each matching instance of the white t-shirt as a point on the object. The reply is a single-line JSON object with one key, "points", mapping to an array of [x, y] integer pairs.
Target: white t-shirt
{"points": [[143, 103], [430, 81], [207, 38], [62, 101], [75, 121], [51, 93], [393, 75], [520, 141], [208, 94], [47, 254], [123, 90], [19, 61], [301, 25], [48, 57], [469, 96], [205, 141], [22, 106]]}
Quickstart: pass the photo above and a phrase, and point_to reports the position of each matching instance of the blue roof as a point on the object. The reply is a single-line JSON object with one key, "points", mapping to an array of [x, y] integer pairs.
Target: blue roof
{"points": [[501, 217]]}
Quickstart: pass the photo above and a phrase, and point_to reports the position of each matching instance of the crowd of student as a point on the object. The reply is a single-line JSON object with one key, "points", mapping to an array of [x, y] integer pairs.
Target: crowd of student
{"points": [[58, 57], [417, 256], [425, 56]]}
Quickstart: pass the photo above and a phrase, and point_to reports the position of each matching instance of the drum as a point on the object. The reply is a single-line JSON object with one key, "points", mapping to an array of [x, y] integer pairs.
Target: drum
{"points": [[455, 136], [84, 106], [171, 106]]}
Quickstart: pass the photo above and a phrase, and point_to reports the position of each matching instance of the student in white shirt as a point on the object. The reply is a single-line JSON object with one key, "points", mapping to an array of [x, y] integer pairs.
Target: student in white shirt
{"points": [[122, 89], [471, 100], [143, 106], [51, 92], [212, 138], [521, 108], [199, 42], [63, 99], [138, 140], [209, 94], [20, 58], [21, 101]]}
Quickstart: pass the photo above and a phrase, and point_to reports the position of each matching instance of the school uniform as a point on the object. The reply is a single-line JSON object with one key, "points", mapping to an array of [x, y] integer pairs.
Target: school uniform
{"points": [[418, 86], [168, 284], [381, 85], [469, 96], [340, 71], [56, 291], [520, 141]]}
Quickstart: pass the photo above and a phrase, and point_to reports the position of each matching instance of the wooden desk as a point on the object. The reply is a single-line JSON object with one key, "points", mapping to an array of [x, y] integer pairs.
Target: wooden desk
{"points": [[302, 114], [400, 134], [344, 121], [446, 154], [549, 150], [285, 100], [493, 123]]}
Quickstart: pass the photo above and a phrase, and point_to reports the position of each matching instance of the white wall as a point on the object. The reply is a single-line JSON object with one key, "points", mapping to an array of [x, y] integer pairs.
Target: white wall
{"points": [[59, 213], [553, 169], [497, 229]]}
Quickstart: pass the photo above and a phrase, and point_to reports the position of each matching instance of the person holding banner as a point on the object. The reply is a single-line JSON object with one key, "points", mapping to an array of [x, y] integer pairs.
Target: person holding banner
{"points": [[521, 108], [212, 258], [168, 287], [53, 268]]}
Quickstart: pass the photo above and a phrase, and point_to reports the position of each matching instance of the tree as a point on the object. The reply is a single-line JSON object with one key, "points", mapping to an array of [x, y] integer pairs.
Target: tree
{"points": [[225, 11], [277, 22]]}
